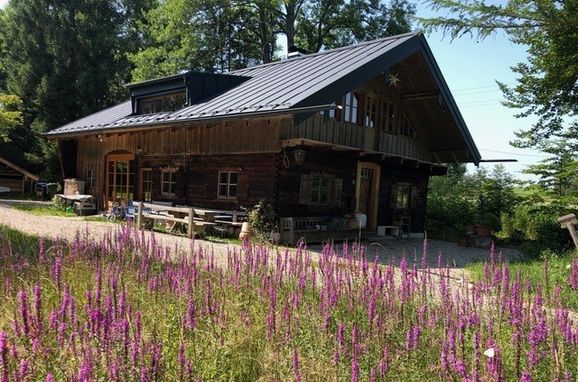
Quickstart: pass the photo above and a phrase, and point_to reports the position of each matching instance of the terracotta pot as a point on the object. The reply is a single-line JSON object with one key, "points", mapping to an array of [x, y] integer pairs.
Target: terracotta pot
{"points": [[245, 231]]}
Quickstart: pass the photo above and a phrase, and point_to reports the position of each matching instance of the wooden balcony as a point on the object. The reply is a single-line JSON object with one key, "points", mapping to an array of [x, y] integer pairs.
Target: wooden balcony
{"points": [[348, 135]]}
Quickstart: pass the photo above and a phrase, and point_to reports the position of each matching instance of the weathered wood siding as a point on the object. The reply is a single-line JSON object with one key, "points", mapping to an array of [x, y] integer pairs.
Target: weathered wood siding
{"points": [[178, 143], [11, 178], [197, 179]]}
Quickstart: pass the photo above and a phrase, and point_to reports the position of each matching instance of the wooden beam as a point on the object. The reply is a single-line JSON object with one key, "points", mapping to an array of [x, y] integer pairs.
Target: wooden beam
{"points": [[419, 96], [568, 222]]}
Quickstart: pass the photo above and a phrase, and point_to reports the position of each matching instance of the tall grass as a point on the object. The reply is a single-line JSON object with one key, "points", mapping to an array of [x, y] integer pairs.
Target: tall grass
{"points": [[128, 309]]}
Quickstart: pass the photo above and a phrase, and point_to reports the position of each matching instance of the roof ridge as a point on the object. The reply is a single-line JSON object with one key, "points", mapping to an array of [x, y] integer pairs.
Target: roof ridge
{"points": [[323, 52]]}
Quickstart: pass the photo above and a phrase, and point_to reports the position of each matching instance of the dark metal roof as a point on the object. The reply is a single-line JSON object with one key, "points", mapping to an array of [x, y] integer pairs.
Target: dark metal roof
{"points": [[283, 87], [275, 86]]}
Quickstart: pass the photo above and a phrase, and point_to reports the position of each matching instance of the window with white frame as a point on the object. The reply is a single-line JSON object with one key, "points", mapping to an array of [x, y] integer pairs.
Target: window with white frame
{"points": [[351, 107], [168, 181], [228, 183]]}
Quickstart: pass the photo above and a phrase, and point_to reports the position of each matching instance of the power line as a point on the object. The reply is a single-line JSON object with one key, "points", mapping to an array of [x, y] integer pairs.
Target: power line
{"points": [[513, 153]]}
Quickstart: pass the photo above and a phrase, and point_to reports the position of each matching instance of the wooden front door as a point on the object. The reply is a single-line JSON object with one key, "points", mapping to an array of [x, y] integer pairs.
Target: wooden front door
{"points": [[119, 179], [367, 192]]}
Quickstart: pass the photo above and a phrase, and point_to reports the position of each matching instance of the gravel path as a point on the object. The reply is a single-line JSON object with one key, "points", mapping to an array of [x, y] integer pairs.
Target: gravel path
{"points": [[386, 249]]}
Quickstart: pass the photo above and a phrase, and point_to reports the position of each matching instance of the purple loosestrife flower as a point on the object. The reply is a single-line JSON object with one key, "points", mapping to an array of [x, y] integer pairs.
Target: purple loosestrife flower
{"points": [[296, 372], [57, 272], [526, 377], [412, 338], [38, 306], [383, 365], [573, 277], [24, 312], [354, 370], [23, 369], [49, 377], [4, 356]]}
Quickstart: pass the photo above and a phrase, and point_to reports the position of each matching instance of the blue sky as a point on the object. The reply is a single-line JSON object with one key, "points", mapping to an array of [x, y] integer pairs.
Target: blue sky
{"points": [[471, 68]]}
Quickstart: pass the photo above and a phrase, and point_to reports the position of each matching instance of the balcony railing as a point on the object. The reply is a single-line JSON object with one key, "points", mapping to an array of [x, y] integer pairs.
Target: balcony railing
{"points": [[328, 130]]}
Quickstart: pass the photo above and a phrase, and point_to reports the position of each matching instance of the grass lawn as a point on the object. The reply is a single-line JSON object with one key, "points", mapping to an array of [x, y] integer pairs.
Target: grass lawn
{"points": [[557, 267], [43, 210]]}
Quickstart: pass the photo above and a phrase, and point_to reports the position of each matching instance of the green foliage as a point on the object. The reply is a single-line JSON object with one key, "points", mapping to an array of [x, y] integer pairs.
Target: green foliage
{"points": [[64, 60], [459, 199], [546, 84], [558, 174], [220, 35], [43, 210], [10, 115], [531, 269], [263, 219], [537, 225]]}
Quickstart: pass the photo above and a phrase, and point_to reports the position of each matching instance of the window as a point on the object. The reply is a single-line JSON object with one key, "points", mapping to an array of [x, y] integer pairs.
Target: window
{"points": [[165, 102], [387, 117], [371, 112], [168, 181], [351, 107], [320, 189], [227, 187], [146, 184], [405, 127], [401, 195], [89, 176]]}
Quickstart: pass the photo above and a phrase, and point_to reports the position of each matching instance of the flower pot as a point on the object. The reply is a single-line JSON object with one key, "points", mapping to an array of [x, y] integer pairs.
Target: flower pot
{"points": [[245, 231]]}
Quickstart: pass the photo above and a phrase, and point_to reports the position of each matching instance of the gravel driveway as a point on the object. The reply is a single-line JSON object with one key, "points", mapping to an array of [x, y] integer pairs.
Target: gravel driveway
{"points": [[386, 249]]}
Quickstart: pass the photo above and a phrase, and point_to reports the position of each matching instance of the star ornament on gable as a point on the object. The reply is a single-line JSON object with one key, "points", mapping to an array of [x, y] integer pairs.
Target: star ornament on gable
{"points": [[393, 79]]}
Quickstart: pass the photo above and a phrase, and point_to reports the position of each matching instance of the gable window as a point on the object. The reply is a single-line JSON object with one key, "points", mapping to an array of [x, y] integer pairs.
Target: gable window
{"points": [[401, 195], [387, 117], [228, 182], [351, 107], [160, 103], [320, 189], [168, 181], [371, 112], [405, 127]]}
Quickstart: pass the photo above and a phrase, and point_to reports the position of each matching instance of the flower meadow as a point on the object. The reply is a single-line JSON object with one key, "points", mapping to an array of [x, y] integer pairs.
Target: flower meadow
{"points": [[126, 308]]}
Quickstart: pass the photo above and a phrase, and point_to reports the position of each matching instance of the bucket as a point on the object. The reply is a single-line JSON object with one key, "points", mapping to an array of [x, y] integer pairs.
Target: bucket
{"points": [[245, 231]]}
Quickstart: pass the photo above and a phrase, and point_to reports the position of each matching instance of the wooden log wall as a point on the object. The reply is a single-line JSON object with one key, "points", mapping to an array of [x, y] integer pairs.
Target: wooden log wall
{"points": [[176, 144], [341, 165]]}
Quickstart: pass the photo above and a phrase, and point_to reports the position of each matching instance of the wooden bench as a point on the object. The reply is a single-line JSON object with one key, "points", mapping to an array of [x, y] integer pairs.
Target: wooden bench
{"points": [[166, 213], [316, 230]]}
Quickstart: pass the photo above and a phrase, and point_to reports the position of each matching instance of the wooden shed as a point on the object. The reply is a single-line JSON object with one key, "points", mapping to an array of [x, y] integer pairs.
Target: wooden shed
{"points": [[15, 179]]}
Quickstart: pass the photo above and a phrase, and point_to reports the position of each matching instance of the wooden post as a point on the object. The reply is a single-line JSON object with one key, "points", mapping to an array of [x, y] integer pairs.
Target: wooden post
{"points": [[191, 223], [139, 215], [568, 221]]}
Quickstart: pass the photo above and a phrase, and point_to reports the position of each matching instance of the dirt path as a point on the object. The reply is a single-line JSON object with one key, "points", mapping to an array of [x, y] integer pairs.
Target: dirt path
{"points": [[385, 249]]}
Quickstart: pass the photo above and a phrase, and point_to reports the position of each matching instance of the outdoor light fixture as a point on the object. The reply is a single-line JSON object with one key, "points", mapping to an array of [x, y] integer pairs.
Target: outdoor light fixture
{"points": [[299, 156], [100, 138]]}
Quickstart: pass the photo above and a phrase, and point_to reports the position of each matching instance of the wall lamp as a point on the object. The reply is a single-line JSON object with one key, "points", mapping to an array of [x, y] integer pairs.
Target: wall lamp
{"points": [[299, 156]]}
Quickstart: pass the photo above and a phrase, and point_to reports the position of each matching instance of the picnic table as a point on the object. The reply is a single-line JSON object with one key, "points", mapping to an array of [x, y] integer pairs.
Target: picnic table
{"points": [[69, 200]]}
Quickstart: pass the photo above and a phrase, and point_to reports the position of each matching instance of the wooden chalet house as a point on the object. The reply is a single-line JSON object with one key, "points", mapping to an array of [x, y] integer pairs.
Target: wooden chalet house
{"points": [[361, 128]]}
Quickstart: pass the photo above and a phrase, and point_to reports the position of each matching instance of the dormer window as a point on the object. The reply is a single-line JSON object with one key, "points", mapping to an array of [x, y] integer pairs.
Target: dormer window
{"points": [[161, 103]]}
